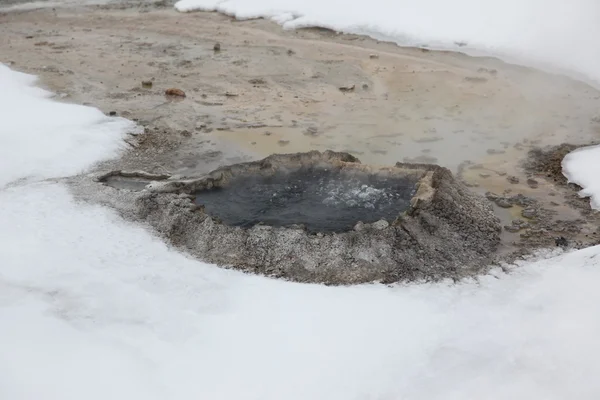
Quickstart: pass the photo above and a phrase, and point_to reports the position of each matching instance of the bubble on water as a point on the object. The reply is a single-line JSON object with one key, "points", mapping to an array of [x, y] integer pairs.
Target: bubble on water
{"points": [[353, 193]]}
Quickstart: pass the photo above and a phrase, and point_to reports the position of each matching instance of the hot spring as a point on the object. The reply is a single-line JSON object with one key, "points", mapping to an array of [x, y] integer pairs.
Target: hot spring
{"points": [[320, 199]]}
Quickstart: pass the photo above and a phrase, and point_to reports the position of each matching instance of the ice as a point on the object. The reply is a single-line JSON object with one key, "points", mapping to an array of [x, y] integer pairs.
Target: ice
{"points": [[560, 34], [41, 138], [95, 307], [582, 167]]}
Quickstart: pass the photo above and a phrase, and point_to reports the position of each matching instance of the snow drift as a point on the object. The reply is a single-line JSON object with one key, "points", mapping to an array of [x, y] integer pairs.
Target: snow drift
{"points": [[94, 307], [42, 138]]}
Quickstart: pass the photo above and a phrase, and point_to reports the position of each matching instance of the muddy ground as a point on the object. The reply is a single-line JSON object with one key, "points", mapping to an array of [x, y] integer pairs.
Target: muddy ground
{"points": [[265, 90]]}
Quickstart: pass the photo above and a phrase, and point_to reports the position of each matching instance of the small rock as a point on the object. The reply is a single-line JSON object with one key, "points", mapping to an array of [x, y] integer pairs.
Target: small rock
{"points": [[257, 81], [311, 131], [291, 52], [147, 84], [185, 133], [346, 89], [283, 142], [517, 225], [520, 223], [491, 196], [365, 86], [112, 113], [494, 151], [373, 56], [502, 202], [381, 224], [217, 47], [267, 133], [532, 183], [484, 175], [512, 228], [429, 139], [513, 179], [529, 213], [175, 92], [523, 201]]}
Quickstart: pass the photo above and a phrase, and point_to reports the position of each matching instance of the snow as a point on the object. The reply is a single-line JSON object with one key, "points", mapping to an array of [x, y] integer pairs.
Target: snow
{"points": [[561, 34], [94, 307], [582, 167], [42, 138]]}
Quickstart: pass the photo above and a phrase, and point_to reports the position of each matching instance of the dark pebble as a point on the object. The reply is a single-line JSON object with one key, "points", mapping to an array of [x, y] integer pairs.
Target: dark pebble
{"points": [[561, 241], [529, 213], [502, 202], [532, 183]]}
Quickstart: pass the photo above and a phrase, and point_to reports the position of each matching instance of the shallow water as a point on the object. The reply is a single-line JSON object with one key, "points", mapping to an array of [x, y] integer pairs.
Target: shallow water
{"points": [[134, 184], [321, 200]]}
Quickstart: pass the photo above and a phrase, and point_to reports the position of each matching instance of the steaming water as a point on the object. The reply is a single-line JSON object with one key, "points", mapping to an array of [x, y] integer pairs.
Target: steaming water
{"points": [[321, 200]]}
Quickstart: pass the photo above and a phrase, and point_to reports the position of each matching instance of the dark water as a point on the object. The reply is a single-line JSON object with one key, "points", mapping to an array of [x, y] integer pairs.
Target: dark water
{"points": [[321, 200]]}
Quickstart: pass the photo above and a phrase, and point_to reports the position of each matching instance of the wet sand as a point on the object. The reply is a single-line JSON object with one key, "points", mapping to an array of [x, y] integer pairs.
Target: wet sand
{"points": [[269, 90]]}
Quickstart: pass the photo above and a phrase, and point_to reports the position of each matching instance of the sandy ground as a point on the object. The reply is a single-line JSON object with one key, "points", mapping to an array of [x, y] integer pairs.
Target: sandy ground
{"points": [[269, 90]]}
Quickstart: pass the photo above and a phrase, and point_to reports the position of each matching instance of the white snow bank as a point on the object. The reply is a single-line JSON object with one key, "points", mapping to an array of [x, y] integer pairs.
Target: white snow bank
{"points": [[93, 307], [582, 167], [564, 34], [42, 138]]}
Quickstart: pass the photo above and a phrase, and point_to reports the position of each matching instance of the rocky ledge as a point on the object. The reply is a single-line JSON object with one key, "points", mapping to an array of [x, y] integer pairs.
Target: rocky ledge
{"points": [[443, 231]]}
